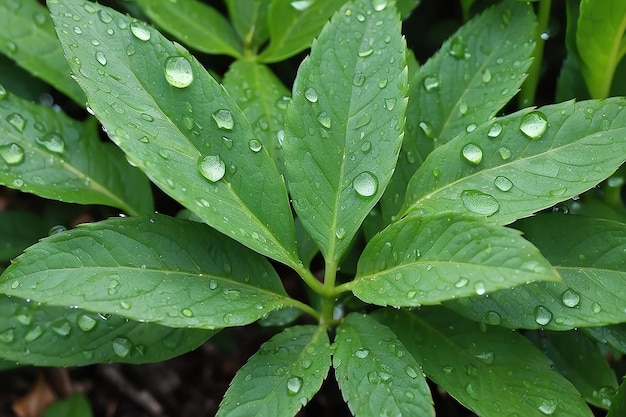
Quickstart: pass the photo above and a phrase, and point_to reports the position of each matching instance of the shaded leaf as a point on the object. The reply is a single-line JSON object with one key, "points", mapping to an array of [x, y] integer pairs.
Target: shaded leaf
{"points": [[489, 370], [587, 253], [250, 20], [179, 126], [426, 260], [618, 403], [153, 269], [613, 336], [76, 405], [344, 123], [15, 236], [501, 172], [282, 376], [45, 152], [376, 374]]}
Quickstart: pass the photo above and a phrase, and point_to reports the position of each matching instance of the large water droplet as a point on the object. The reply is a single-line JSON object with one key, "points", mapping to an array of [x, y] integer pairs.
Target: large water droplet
{"points": [[427, 128], [121, 346], [486, 76], [548, 407], [311, 95], [33, 334], [505, 153], [472, 153], [486, 357], [178, 72], [543, 316], [255, 145], [390, 103], [411, 372], [534, 124], [53, 142], [224, 119], [140, 31], [431, 82], [458, 48], [479, 202], [379, 5], [211, 167], [358, 79], [479, 288], [494, 130], [365, 184], [570, 298], [294, 385], [24, 315], [101, 58], [12, 153], [17, 121], [362, 353], [85, 322], [301, 5], [503, 184], [62, 327], [324, 119], [492, 317]]}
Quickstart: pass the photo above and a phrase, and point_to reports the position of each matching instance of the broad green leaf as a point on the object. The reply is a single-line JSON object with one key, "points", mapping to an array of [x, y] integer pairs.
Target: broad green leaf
{"points": [[406, 7], [344, 123], [195, 24], [44, 152], [179, 126], [580, 361], [45, 335], [282, 376], [28, 37], [153, 269], [18, 230], [76, 405], [376, 374], [263, 99], [613, 336], [426, 260], [513, 166], [618, 402], [294, 24], [249, 18], [587, 253], [601, 42], [489, 370], [475, 73]]}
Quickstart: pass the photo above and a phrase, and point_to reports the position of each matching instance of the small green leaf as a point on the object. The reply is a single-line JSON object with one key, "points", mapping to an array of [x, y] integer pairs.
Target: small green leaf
{"points": [[344, 124], [580, 361], [376, 374], [613, 336], [140, 268], [180, 126], [282, 376], [45, 335], [264, 100], [44, 152], [489, 370], [600, 41], [28, 37], [76, 405], [513, 166], [587, 253], [294, 24], [618, 402], [426, 260], [195, 24], [249, 18]]}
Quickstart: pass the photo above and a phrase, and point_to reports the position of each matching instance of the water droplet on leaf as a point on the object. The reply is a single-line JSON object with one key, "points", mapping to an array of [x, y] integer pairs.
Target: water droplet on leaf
{"points": [[101, 58], [211, 167], [311, 95], [85, 322], [140, 31], [365, 184], [494, 130], [472, 153], [362, 353], [479, 202], [178, 72], [431, 83], [224, 119], [12, 153], [255, 145], [53, 142], [503, 184], [121, 346], [17, 121], [543, 316], [534, 124], [294, 385], [548, 407], [505, 153], [62, 327], [570, 298]]}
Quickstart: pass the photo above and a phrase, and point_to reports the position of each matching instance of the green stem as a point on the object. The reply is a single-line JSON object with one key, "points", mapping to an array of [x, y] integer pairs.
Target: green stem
{"points": [[310, 279], [307, 309], [328, 300], [529, 89]]}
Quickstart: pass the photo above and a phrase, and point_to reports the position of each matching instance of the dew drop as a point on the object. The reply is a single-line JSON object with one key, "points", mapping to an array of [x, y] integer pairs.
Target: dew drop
{"points": [[340, 233], [379, 5], [324, 119], [187, 312], [126, 305], [596, 308], [411, 372], [130, 50], [366, 146], [463, 108], [390, 103], [479, 288], [301, 5], [121, 346], [472, 153], [12, 47], [33, 334], [505, 153], [7, 336], [104, 16], [570, 298], [543, 316], [224, 119], [85, 322], [486, 357], [178, 72], [294, 385], [479, 202], [548, 407], [486, 76], [492, 317], [140, 31], [211, 167], [39, 18], [311, 95], [503, 184], [53, 142], [24, 316], [255, 145], [228, 142], [427, 129], [17, 121], [457, 48], [365, 184], [534, 124], [213, 284], [101, 58], [366, 53], [62, 327], [462, 282], [359, 79], [362, 353], [431, 82], [12, 153], [494, 130]]}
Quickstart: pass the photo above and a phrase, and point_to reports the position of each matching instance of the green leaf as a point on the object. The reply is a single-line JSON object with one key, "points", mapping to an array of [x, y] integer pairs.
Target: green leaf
{"points": [[195, 24], [263, 99], [600, 41], [249, 18], [343, 129], [294, 24], [282, 376], [501, 172], [618, 402], [14, 237], [44, 152], [76, 405], [490, 370], [45, 335], [613, 336], [189, 136], [376, 374], [587, 253], [28, 37], [426, 260], [153, 269], [580, 361]]}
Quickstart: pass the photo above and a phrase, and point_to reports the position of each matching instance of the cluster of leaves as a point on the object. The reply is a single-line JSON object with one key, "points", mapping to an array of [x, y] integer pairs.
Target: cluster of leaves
{"points": [[401, 175]]}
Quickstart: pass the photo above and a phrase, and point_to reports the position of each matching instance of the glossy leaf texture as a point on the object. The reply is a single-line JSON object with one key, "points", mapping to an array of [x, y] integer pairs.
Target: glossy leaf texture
{"points": [[579, 359], [264, 100], [429, 259], [178, 125], [45, 152], [293, 25], [489, 370], [28, 38], [600, 41], [588, 254], [344, 123], [250, 19], [45, 335], [618, 403], [613, 336], [153, 269], [195, 24], [516, 165], [76, 405], [282, 376], [376, 374]]}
